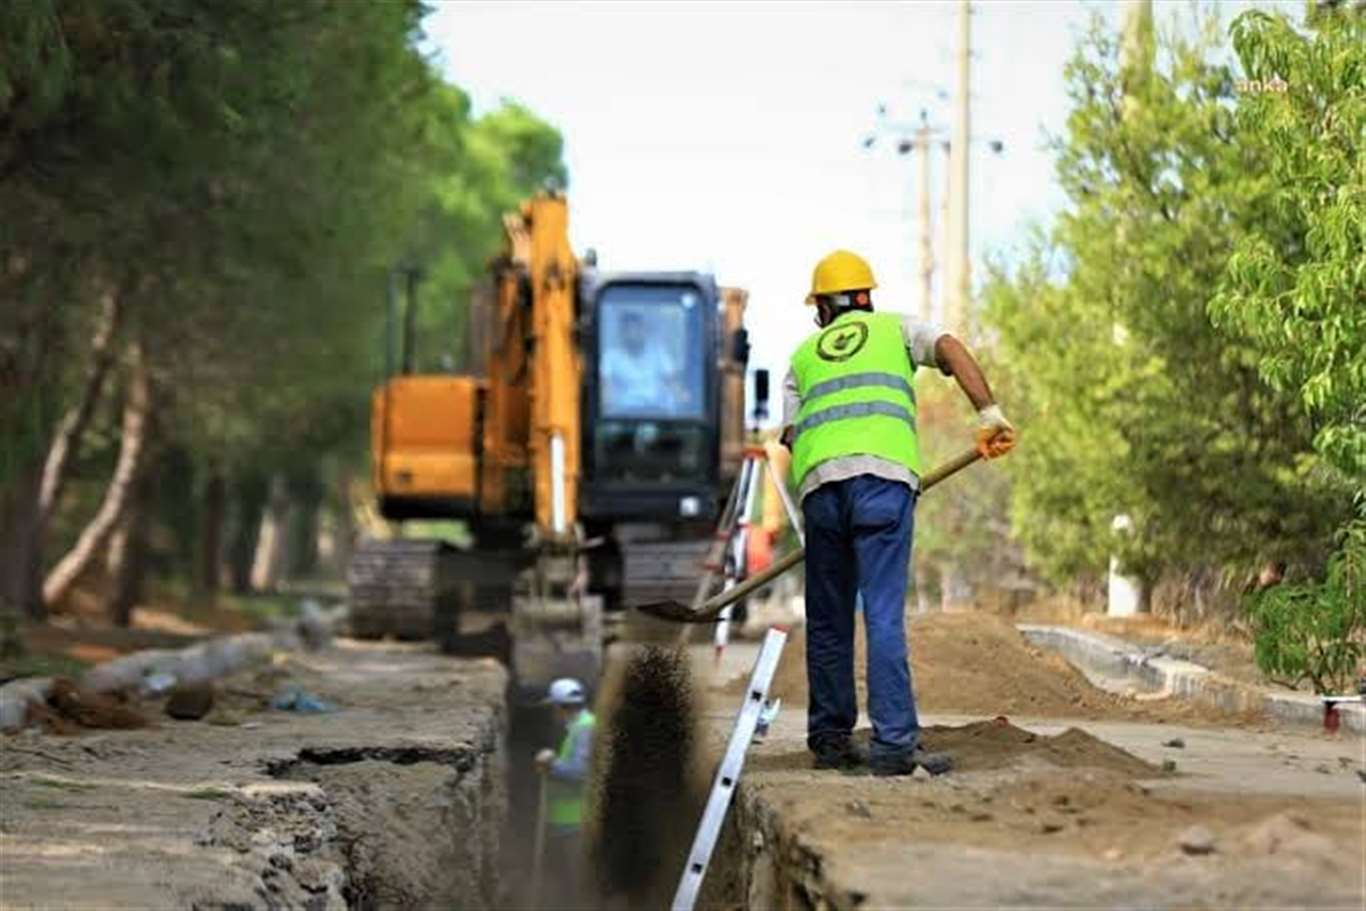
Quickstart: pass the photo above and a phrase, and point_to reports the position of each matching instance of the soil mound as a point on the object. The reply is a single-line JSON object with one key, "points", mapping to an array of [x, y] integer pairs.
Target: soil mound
{"points": [[996, 744], [974, 663], [70, 708], [999, 744], [644, 776]]}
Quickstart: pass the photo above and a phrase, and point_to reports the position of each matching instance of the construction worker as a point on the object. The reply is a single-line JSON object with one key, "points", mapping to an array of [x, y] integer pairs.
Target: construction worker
{"points": [[566, 783], [849, 419]]}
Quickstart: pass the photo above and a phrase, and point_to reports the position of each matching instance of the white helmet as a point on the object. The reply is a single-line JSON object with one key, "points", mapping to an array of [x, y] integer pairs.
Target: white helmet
{"points": [[565, 691]]}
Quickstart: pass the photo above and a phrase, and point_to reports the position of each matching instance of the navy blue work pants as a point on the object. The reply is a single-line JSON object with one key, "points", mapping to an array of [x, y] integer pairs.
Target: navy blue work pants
{"points": [[858, 540]]}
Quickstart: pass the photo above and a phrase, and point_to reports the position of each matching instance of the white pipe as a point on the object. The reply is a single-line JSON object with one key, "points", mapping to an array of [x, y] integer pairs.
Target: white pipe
{"points": [[557, 520]]}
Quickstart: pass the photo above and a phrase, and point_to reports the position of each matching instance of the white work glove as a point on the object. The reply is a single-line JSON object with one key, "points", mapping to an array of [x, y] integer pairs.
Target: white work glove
{"points": [[994, 434], [544, 760]]}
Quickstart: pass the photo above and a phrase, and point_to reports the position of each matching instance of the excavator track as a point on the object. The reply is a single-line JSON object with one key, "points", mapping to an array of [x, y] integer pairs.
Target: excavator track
{"points": [[405, 588]]}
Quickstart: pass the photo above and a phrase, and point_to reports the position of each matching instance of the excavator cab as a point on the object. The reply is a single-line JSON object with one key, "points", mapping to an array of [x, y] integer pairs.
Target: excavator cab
{"points": [[650, 398]]}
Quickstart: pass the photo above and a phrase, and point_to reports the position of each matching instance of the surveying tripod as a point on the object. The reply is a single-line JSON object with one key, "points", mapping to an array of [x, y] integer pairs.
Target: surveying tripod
{"points": [[726, 558]]}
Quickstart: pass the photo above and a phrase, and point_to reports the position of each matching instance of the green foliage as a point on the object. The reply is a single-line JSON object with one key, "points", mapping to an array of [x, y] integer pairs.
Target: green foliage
{"points": [[1302, 305], [965, 523], [242, 177], [1316, 631], [1132, 401]]}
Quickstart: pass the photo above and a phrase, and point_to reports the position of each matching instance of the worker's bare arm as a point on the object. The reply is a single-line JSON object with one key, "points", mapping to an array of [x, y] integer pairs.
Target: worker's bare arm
{"points": [[955, 360], [995, 435]]}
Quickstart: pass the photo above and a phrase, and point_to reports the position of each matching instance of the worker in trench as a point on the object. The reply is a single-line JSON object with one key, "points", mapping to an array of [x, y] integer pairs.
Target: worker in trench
{"points": [[566, 771], [849, 420]]}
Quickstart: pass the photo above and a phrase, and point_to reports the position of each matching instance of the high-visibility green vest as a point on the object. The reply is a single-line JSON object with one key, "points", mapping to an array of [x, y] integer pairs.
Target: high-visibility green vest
{"points": [[856, 382], [566, 798]]}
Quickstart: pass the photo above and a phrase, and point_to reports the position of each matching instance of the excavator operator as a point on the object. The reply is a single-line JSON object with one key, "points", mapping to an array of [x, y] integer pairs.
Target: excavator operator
{"points": [[849, 419]]}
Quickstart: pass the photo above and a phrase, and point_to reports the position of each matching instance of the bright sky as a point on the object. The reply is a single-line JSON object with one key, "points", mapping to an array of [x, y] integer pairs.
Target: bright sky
{"points": [[728, 137]]}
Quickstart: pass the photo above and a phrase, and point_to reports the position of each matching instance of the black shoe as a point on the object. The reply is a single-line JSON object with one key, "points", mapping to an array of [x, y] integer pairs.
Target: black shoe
{"points": [[906, 763], [837, 753]]}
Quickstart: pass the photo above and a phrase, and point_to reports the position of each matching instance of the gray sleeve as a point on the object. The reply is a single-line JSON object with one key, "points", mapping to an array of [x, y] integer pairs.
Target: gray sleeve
{"points": [[920, 340], [792, 402], [575, 768]]}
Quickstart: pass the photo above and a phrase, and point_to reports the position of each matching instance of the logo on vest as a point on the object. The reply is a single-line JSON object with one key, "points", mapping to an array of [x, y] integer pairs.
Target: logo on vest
{"points": [[839, 343]]}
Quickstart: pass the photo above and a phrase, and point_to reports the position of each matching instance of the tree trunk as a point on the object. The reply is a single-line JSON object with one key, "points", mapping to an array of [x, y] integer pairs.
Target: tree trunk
{"points": [[922, 590], [208, 572], [344, 529], [306, 495], [955, 591], [248, 503], [132, 446], [128, 556], [21, 540], [273, 542], [66, 441]]}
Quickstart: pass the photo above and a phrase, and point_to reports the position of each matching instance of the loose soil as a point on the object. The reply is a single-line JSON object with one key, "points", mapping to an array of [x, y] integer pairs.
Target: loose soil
{"points": [[998, 744], [71, 709], [646, 778], [977, 663]]}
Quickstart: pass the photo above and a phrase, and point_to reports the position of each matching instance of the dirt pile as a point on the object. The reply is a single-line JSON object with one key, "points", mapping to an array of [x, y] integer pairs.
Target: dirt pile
{"points": [[975, 663], [997, 744], [646, 782], [71, 709]]}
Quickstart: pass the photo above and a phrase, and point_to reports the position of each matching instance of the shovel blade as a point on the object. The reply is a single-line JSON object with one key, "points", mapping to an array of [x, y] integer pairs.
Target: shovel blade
{"points": [[674, 612]]}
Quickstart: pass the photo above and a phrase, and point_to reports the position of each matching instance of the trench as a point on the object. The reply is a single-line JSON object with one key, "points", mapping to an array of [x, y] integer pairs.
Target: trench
{"points": [[449, 823]]}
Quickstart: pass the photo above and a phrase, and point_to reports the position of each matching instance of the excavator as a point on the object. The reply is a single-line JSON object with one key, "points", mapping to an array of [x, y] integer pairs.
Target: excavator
{"points": [[586, 449]]}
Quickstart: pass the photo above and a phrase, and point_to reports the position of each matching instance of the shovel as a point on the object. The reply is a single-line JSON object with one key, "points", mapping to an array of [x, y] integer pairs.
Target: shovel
{"points": [[538, 855], [711, 609]]}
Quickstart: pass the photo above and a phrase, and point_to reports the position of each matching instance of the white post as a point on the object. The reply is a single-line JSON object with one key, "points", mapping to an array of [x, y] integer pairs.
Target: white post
{"points": [[1125, 594], [557, 511]]}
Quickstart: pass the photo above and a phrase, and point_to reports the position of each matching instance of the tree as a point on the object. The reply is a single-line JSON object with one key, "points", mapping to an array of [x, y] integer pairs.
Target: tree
{"points": [[1302, 306], [1134, 402], [224, 187]]}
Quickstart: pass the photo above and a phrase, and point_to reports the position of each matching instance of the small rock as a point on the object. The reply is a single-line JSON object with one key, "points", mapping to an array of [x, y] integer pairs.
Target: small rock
{"points": [[858, 808], [1113, 854], [1169, 765], [1323, 770], [1049, 826], [1196, 840], [1175, 743], [190, 701], [1361, 773], [980, 817]]}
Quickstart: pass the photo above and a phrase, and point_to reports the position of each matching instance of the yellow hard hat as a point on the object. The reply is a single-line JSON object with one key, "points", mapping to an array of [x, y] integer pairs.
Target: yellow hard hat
{"points": [[839, 272]]}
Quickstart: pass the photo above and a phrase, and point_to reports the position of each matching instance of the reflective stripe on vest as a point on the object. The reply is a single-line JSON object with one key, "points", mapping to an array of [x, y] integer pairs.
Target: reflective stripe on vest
{"points": [[855, 410], [855, 381], [566, 798]]}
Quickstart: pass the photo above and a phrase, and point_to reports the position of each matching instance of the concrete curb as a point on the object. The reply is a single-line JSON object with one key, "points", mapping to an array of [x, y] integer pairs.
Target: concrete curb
{"points": [[1097, 654]]}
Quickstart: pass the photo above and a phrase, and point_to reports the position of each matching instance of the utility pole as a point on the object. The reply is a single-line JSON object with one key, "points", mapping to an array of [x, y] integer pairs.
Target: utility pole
{"points": [[959, 264], [919, 139], [922, 146]]}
